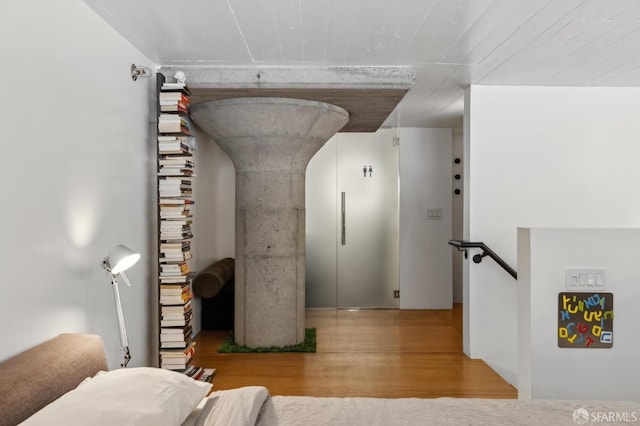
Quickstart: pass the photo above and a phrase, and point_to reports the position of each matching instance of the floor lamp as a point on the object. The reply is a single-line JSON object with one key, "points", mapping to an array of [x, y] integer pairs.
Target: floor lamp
{"points": [[120, 259]]}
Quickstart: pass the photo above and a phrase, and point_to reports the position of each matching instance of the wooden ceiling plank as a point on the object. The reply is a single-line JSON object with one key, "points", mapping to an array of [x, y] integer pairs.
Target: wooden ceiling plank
{"points": [[286, 13], [257, 26], [485, 24], [315, 24], [341, 29], [536, 26], [449, 23]]}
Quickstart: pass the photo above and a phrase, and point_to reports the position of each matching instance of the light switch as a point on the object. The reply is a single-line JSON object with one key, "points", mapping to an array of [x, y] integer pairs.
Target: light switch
{"points": [[434, 214], [573, 280], [585, 279]]}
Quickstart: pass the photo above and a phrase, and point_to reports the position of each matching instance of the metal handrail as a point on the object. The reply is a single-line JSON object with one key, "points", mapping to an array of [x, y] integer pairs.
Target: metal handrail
{"points": [[486, 251]]}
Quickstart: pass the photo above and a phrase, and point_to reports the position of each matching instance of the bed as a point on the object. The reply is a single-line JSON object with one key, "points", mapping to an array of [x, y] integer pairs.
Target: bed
{"points": [[64, 382]]}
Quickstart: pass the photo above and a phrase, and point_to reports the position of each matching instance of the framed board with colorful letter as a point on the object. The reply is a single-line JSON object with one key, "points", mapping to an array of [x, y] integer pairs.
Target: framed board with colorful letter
{"points": [[585, 320]]}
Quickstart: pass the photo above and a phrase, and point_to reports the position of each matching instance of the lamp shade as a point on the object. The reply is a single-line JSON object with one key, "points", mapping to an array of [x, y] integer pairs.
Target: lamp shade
{"points": [[122, 258]]}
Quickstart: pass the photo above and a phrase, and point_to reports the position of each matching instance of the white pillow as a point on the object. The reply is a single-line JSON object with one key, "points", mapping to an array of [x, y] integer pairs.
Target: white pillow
{"points": [[129, 396]]}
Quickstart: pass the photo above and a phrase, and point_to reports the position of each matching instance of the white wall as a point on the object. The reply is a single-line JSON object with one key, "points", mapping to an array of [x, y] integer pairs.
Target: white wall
{"points": [[214, 209], [76, 173], [425, 183], [547, 371], [457, 208], [540, 157]]}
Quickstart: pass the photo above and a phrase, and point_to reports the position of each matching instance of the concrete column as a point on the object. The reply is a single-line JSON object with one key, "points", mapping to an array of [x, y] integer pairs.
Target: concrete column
{"points": [[270, 141]]}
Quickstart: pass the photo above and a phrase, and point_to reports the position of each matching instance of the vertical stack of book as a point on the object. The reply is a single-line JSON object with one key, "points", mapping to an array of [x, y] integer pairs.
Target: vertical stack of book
{"points": [[175, 252], [175, 208], [174, 97], [173, 123], [175, 354], [174, 186], [175, 197], [177, 360]]}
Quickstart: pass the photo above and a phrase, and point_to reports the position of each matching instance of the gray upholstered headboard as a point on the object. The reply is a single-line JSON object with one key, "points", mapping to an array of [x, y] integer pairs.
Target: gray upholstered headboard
{"points": [[40, 375]]}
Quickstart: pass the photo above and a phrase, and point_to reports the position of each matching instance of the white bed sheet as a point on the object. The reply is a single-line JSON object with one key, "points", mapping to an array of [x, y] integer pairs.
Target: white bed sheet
{"points": [[308, 411], [240, 407]]}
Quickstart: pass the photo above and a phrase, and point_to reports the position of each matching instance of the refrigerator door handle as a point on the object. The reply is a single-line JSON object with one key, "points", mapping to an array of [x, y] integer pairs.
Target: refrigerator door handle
{"points": [[343, 230]]}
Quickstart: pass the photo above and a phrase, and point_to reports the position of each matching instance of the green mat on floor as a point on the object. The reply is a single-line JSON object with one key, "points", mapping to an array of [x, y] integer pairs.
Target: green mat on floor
{"points": [[309, 345]]}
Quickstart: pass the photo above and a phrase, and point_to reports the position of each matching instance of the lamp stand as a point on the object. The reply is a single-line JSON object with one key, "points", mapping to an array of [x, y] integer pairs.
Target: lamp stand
{"points": [[124, 343]]}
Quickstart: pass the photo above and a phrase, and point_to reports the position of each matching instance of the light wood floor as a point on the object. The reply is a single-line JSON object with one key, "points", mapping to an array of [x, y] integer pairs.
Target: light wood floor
{"points": [[378, 353]]}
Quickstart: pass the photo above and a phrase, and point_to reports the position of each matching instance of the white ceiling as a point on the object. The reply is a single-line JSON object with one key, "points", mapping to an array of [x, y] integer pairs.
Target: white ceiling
{"points": [[451, 43]]}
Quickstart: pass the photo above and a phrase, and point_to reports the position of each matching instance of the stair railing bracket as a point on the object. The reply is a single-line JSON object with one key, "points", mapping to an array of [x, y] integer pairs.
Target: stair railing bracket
{"points": [[486, 251]]}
